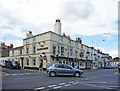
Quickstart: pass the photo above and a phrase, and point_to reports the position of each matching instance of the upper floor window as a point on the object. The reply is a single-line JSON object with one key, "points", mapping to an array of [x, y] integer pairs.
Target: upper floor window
{"points": [[58, 49], [27, 41], [67, 51], [34, 49], [76, 54], [71, 52], [27, 50], [87, 48], [34, 39], [54, 49], [20, 51], [60, 39], [69, 42], [81, 46], [76, 44], [62, 50]]}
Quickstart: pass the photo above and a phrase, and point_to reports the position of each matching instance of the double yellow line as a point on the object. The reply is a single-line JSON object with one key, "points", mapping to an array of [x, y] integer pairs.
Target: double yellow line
{"points": [[4, 74]]}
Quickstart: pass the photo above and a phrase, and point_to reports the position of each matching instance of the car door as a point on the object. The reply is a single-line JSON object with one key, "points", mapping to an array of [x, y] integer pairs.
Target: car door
{"points": [[68, 70], [59, 69]]}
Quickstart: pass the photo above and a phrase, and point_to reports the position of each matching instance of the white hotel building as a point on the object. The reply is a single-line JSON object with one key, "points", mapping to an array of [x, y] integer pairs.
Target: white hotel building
{"points": [[53, 47]]}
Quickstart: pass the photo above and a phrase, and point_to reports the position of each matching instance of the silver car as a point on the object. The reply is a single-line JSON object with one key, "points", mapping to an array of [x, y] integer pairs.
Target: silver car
{"points": [[62, 69]]}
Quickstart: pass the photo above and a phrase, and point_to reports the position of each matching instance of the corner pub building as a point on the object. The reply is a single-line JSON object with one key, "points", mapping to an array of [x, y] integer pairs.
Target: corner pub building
{"points": [[52, 47]]}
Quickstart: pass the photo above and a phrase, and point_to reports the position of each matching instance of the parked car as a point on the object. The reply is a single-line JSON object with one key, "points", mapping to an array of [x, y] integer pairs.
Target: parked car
{"points": [[109, 67], [2, 64], [62, 69], [115, 66], [12, 64]]}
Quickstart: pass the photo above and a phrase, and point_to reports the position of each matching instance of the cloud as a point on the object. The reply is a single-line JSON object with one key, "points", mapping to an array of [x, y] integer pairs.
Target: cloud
{"points": [[15, 32], [113, 53], [91, 16], [16, 43]]}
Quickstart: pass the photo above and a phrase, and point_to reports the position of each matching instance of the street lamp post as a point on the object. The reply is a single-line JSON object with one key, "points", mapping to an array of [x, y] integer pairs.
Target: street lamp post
{"points": [[98, 42]]}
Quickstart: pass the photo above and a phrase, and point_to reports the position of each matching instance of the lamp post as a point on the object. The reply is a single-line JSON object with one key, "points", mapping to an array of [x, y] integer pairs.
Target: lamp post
{"points": [[98, 42]]}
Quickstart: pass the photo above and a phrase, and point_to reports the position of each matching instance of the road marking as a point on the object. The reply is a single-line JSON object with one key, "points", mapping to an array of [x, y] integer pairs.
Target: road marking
{"points": [[116, 73], [40, 88], [67, 85], [52, 85], [57, 87], [27, 77], [113, 86], [5, 74], [70, 82], [96, 82], [76, 83], [62, 83], [23, 74]]}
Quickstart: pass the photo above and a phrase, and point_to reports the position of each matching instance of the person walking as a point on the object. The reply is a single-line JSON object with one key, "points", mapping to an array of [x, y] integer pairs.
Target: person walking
{"points": [[40, 67], [73, 64], [119, 67]]}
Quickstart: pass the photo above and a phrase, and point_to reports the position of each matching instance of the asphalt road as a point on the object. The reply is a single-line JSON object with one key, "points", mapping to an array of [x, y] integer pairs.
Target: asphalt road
{"points": [[106, 79]]}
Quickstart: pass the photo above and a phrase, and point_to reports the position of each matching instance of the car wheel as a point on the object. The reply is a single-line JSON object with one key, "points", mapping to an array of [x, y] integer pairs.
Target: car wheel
{"points": [[77, 74], [52, 74]]}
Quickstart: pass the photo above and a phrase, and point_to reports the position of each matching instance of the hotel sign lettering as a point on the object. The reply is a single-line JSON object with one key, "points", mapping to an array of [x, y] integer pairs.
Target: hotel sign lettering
{"points": [[43, 48]]}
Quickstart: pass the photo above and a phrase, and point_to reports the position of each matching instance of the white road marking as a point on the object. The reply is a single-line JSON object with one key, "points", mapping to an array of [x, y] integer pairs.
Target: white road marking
{"points": [[57, 87], [96, 82], [40, 88], [26, 78], [67, 85], [76, 83], [23, 74], [62, 83], [70, 82], [52, 85], [113, 86]]}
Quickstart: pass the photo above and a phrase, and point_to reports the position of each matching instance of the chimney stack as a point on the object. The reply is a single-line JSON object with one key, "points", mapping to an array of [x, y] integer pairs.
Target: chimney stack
{"points": [[29, 34], [57, 27]]}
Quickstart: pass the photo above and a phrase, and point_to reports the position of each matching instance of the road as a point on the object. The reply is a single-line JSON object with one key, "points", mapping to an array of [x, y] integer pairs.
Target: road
{"points": [[106, 79]]}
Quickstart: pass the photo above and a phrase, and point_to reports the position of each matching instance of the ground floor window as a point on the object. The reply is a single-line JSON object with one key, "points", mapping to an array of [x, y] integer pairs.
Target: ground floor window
{"points": [[34, 62], [81, 63], [63, 61], [41, 61], [66, 61], [27, 61]]}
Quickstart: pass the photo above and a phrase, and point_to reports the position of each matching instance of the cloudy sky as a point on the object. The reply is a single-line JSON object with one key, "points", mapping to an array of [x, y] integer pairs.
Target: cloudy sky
{"points": [[92, 20]]}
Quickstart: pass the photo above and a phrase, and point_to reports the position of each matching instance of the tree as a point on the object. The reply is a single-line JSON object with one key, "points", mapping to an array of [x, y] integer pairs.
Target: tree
{"points": [[116, 58]]}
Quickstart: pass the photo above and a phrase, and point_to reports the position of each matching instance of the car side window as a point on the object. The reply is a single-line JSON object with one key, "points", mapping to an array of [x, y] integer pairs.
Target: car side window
{"points": [[58, 66], [67, 67]]}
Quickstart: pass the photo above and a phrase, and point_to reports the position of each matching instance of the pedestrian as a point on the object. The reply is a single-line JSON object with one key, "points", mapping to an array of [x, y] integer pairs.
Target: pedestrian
{"points": [[40, 67], [119, 67], [73, 64], [48, 64]]}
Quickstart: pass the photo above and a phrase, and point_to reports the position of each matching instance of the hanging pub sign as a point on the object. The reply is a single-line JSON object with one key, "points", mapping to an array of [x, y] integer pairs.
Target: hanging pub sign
{"points": [[44, 57], [81, 54]]}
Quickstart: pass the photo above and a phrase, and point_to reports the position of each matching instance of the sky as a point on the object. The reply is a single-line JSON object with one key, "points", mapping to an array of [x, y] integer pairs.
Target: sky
{"points": [[91, 20]]}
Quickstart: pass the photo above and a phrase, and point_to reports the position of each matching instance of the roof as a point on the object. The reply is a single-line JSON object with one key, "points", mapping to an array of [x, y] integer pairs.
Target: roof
{"points": [[17, 47]]}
